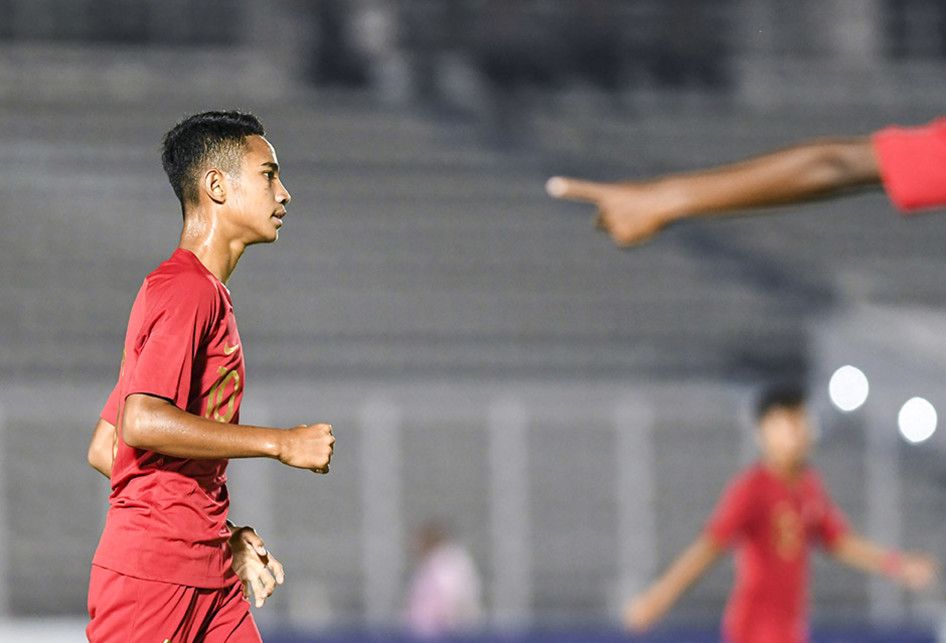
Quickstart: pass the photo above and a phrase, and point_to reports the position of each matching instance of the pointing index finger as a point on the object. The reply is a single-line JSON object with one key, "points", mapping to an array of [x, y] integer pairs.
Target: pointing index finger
{"points": [[561, 187]]}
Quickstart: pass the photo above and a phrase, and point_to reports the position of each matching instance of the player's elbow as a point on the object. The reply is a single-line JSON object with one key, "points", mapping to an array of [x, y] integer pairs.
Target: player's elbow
{"points": [[139, 420], [96, 457], [846, 163]]}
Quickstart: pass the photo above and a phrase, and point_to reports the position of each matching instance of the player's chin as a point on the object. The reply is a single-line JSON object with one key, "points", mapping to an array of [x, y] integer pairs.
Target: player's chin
{"points": [[265, 236], [270, 233], [275, 225]]}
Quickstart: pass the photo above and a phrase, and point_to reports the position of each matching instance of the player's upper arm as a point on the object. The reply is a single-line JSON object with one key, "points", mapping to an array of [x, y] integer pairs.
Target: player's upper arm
{"points": [[141, 412], [839, 546]]}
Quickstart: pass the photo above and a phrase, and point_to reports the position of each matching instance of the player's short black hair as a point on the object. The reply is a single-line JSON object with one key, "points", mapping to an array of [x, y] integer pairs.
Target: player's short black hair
{"points": [[217, 137], [786, 395]]}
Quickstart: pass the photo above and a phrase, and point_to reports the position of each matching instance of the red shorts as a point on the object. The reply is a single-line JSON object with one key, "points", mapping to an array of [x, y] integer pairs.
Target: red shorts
{"points": [[126, 609]]}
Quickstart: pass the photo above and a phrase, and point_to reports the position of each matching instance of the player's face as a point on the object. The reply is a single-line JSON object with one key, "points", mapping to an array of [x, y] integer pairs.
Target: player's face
{"points": [[785, 436], [258, 197]]}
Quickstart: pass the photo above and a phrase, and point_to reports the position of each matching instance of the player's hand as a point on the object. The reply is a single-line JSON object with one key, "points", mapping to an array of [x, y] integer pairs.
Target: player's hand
{"points": [[308, 446], [642, 612], [256, 568], [918, 571], [631, 213]]}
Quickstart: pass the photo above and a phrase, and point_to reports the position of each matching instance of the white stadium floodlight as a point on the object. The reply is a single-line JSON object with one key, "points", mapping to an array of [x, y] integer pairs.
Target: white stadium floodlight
{"points": [[917, 420], [848, 388]]}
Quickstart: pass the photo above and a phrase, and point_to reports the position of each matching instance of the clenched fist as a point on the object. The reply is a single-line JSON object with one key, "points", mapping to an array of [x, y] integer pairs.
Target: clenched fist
{"points": [[307, 446]]}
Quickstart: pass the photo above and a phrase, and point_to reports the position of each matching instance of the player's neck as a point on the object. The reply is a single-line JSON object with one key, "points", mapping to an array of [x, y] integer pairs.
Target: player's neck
{"points": [[784, 471], [218, 254]]}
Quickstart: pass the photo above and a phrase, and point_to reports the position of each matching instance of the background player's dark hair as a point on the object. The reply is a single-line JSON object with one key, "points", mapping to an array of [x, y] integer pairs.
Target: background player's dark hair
{"points": [[779, 396], [217, 137]]}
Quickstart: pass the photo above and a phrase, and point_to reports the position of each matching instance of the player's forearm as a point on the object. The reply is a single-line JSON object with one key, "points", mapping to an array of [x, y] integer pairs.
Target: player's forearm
{"points": [[819, 169], [154, 424], [862, 554], [914, 570]]}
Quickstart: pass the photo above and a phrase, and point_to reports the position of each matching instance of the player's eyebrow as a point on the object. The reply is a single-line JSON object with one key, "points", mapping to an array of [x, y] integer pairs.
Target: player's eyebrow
{"points": [[273, 166]]}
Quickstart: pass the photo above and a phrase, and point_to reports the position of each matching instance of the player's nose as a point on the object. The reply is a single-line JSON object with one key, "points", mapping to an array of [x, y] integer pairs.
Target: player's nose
{"points": [[283, 195]]}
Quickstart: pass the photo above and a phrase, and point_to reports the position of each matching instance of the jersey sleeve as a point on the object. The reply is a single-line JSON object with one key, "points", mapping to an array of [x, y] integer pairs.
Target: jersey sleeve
{"points": [[110, 410], [913, 164], [732, 514], [179, 313]]}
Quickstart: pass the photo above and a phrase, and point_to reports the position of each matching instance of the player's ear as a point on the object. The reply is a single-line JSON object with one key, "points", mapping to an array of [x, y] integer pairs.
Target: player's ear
{"points": [[214, 185]]}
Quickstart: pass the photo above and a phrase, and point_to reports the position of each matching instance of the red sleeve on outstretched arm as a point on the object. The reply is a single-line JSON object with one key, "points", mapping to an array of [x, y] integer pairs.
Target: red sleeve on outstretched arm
{"points": [[913, 164]]}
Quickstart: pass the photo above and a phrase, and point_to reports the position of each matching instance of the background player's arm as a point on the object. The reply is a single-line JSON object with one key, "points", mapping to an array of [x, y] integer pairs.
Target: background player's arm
{"points": [[632, 212], [914, 570], [154, 424], [644, 610], [102, 448]]}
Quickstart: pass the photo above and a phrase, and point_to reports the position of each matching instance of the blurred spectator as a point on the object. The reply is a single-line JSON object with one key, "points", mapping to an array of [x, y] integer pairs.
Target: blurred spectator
{"points": [[592, 36], [915, 28], [335, 59], [514, 46], [691, 50], [428, 30], [445, 591]]}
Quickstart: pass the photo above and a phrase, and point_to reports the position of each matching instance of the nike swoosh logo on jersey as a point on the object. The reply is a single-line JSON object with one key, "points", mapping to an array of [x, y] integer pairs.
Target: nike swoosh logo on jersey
{"points": [[229, 350]]}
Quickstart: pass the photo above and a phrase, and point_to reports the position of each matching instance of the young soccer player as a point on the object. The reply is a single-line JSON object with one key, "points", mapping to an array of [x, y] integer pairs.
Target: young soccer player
{"points": [[910, 164], [773, 513], [169, 565]]}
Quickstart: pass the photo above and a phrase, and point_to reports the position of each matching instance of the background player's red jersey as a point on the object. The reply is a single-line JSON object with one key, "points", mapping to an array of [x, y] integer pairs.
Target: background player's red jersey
{"points": [[913, 164], [773, 522], [167, 516]]}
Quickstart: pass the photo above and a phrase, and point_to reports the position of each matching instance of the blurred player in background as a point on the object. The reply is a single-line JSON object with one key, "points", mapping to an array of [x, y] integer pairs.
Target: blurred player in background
{"points": [[445, 593], [773, 513], [910, 164], [169, 565]]}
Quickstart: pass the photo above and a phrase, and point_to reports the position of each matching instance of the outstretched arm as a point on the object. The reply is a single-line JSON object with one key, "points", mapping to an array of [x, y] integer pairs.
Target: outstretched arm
{"points": [[632, 212], [644, 610], [915, 571], [102, 448], [154, 424]]}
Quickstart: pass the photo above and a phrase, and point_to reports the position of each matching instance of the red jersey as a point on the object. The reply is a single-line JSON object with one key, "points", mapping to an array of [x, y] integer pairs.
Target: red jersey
{"points": [[773, 523], [167, 516], [913, 164]]}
